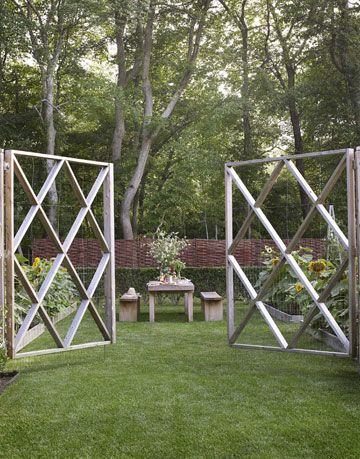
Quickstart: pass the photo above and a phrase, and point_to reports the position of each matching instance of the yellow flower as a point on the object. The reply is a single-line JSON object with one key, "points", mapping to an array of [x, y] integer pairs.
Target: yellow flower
{"points": [[275, 261], [298, 287], [317, 266], [36, 262]]}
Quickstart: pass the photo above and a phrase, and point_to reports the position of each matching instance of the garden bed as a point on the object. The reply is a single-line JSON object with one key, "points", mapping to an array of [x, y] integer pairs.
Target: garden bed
{"points": [[7, 378], [284, 316]]}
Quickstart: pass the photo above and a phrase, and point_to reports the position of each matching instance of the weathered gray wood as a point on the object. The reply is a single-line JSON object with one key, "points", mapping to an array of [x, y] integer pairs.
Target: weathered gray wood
{"points": [[259, 304], [317, 154], [259, 201], [98, 320], [291, 260], [151, 307], [188, 287], [75, 184], [25, 282], [2, 250], [9, 251], [320, 207], [59, 158], [357, 167], [98, 274], [109, 233], [212, 306], [74, 347], [291, 351], [322, 298], [229, 240], [76, 323], [189, 305], [351, 209]]}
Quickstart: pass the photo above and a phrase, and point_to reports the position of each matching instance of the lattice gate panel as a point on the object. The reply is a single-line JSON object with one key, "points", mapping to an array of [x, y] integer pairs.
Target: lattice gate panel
{"points": [[35, 281], [300, 295]]}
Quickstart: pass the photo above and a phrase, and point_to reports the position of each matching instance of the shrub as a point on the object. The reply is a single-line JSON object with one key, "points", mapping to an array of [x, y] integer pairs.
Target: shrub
{"points": [[3, 356]]}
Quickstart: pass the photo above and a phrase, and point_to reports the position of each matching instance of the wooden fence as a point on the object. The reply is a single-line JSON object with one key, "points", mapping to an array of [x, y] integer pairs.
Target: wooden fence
{"points": [[199, 253]]}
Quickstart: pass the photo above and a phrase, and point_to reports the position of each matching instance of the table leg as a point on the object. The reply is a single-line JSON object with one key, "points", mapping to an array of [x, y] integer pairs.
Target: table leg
{"points": [[151, 307], [189, 301], [186, 304]]}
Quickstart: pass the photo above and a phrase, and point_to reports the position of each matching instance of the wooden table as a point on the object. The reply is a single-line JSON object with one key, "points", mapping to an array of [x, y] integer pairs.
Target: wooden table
{"points": [[186, 288]]}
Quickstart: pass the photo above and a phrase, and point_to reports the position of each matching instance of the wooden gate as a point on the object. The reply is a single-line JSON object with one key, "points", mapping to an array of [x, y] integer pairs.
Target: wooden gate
{"points": [[319, 300], [105, 238]]}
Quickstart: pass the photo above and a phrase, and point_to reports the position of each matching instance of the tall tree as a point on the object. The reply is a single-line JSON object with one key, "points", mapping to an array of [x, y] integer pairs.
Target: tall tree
{"points": [[152, 123], [48, 25]]}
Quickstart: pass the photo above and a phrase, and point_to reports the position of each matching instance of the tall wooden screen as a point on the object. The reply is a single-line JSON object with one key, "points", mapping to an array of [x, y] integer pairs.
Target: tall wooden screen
{"points": [[104, 234], [317, 317]]}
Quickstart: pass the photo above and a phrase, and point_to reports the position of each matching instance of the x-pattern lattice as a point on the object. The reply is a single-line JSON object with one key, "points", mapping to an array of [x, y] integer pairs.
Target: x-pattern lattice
{"points": [[286, 256], [62, 258]]}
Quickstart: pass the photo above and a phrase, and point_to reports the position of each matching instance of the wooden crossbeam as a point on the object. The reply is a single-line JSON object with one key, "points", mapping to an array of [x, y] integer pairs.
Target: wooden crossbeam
{"points": [[260, 200], [290, 259], [259, 304], [320, 207]]}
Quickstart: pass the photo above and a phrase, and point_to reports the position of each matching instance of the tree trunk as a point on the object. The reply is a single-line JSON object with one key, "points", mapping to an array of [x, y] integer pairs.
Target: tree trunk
{"points": [[50, 132], [298, 140]]}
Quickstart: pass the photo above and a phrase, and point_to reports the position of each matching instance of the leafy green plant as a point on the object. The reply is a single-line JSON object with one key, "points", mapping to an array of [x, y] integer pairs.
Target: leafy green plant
{"points": [[3, 356], [288, 294], [61, 295], [165, 250]]}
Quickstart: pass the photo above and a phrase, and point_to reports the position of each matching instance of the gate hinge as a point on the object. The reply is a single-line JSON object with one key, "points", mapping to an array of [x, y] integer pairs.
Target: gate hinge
{"points": [[6, 166]]}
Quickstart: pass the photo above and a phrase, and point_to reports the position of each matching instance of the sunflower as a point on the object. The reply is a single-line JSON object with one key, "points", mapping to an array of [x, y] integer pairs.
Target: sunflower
{"points": [[274, 261], [298, 287], [36, 262], [317, 266]]}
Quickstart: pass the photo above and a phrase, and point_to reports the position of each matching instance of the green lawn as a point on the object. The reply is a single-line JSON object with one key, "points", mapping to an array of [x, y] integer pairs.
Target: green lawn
{"points": [[172, 390]]}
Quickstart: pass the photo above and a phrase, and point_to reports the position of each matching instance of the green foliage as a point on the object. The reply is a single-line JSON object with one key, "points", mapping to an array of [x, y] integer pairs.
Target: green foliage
{"points": [[61, 295], [165, 250], [204, 279], [3, 356], [288, 294]]}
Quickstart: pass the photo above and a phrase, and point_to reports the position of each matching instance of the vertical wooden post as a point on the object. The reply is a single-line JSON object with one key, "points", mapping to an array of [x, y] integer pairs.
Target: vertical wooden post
{"points": [[2, 298], [357, 168], [351, 204], [109, 233], [229, 268], [9, 252]]}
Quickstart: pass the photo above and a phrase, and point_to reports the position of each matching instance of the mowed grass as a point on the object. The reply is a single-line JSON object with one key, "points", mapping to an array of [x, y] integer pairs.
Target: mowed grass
{"points": [[173, 390]]}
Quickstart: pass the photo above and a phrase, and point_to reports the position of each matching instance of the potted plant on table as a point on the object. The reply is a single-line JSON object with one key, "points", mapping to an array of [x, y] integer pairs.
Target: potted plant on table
{"points": [[165, 249]]}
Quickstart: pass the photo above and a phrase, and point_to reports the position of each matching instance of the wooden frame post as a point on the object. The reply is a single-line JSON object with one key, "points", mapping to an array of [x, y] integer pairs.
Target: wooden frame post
{"points": [[357, 169], [109, 233], [9, 252], [351, 205], [229, 268], [2, 248]]}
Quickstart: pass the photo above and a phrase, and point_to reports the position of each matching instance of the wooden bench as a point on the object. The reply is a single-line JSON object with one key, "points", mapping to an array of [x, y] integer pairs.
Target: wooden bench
{"points": [[129, 307], [212, 306]]}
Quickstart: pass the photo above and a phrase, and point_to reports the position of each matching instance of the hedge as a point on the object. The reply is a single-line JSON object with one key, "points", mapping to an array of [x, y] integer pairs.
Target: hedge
{"points": [[204, 279]]}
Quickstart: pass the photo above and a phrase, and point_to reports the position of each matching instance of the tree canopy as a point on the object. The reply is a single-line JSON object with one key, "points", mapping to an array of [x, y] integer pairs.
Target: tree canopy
{"points": [[170, 90]]}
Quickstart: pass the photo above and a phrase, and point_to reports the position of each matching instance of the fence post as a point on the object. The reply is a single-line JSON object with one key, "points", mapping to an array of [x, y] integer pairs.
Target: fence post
{"points": [[357, 169], [110, 313], [2, 249], [229, 268], [9, 253]]}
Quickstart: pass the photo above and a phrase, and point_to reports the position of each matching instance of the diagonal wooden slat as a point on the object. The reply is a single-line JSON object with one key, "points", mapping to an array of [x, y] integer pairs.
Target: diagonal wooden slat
{"points": [[259, 304], [76, 322], [99, 322], [25, 282], [75, 185], [25, 183], [323, 297], [30, 316], [75, 228], [98, 274], [50, 326], [83, 202], [50, 180], [320, 207], [259, 201], [97, 185], [75, 277], [290, 259]]}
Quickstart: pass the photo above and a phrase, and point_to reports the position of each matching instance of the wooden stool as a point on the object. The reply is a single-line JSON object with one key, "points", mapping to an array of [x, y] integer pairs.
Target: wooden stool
{"points": [[212, 306], [130, 307]]}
